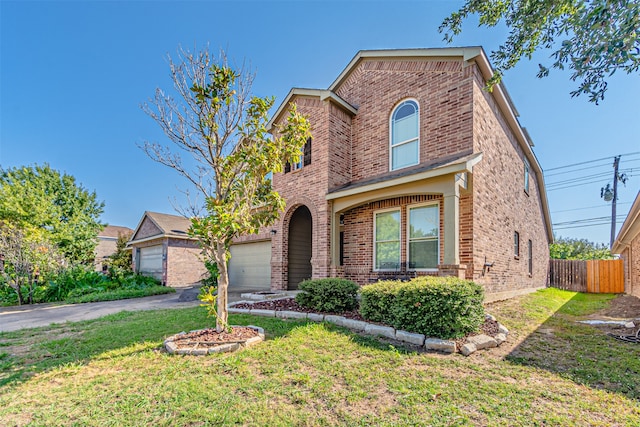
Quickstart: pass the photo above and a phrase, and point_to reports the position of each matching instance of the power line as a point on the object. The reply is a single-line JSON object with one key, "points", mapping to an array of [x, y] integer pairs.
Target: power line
{"points": [[561, 186], [578, 221], [608, 165], [591, 161], [590, 207]]}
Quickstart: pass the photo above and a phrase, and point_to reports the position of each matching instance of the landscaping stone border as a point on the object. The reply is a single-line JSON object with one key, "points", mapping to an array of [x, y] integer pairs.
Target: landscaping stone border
{"points": [[195, 350], [472, 344]]}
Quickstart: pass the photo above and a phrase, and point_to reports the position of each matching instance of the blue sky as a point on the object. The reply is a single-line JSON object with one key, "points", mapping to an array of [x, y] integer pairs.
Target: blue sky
{"points": [[73, 75]]}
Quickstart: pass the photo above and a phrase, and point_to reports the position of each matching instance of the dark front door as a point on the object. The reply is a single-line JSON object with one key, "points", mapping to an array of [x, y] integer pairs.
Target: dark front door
{"points": [[299, 247]]}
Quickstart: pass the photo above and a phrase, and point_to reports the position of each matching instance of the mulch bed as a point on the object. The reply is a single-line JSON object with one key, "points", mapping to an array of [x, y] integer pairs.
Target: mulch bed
{"points": [[209, 337], [489, 327]]}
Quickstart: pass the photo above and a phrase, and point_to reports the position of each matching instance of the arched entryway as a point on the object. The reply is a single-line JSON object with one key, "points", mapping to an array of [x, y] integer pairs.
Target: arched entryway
{"points": [[299, 265]]}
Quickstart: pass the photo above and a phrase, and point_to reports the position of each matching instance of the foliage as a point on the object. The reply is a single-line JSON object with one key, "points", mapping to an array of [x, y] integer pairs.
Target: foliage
{"points": [[224, 129], [209, 296], [333, 295], [443, 307], [73, 279], [211, 280], [118, 294], [44, 203], [26, 261], [568, 248], [119, 262], [377, 300], [73, 284], [593, 38]]}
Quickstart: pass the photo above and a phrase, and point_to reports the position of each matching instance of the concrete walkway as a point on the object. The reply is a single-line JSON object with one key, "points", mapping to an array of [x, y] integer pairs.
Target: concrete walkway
{"points": [[37, 315]]}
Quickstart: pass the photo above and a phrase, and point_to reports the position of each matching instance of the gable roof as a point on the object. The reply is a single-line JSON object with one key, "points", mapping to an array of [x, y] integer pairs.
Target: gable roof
{"points": [[173, 226], [470, 54], [630, 228]]}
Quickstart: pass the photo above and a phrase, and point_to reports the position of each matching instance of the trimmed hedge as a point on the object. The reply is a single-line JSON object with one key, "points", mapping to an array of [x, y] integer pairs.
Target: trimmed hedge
{"points": [[332, 295], [443, 307]]}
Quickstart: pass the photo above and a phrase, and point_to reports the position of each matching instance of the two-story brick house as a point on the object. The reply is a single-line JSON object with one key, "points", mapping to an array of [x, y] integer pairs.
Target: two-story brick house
{"points": [[413, 169]]}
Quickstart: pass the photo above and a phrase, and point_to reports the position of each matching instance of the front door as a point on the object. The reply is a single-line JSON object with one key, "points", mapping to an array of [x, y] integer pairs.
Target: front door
{"points": [[299, 247]]}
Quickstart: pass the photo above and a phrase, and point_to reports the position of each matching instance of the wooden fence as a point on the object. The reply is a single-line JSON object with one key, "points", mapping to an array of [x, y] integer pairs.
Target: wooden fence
{"points": [[593, 276]]}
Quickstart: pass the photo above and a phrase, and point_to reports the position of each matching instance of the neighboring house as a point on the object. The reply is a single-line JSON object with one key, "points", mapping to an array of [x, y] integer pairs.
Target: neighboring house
{"points": [[162, 248], [627, 245], [413, 169], [107, 239]]}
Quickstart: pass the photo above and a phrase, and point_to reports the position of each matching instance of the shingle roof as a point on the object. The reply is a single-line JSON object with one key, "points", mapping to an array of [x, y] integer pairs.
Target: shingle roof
{"points": [[169, 226], [114, 231]]}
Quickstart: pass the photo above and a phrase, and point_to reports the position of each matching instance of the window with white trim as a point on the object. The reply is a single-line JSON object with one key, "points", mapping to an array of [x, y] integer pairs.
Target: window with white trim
{"points": [[386, 233], [405, 135], [423, 236], [530, 250], [526, 176]]}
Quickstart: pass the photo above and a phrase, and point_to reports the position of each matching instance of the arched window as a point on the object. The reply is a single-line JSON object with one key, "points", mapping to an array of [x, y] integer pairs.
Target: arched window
{"points": [[405, 135]]}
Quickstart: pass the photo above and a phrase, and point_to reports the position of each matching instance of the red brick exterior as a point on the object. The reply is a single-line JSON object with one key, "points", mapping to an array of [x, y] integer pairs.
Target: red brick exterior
{"points": [[456, 118], [184, 262], [181, 261], [631, 257]]}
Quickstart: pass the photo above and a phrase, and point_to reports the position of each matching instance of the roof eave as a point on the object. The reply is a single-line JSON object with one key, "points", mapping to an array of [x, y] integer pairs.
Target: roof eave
{"points": [[323, 95], [630, 228], [465, 165]]}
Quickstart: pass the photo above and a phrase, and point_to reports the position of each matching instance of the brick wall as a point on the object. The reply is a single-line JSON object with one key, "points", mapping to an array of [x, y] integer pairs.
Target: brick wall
{"points": [[443, 91], [456, 116], [184, 263], [631, 257], [501, 206], [307, 186], [147, 229]]}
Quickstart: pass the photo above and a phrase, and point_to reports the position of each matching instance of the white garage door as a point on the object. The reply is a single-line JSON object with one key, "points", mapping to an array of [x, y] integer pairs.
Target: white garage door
{"points": [[250, 266], [151, 261]]}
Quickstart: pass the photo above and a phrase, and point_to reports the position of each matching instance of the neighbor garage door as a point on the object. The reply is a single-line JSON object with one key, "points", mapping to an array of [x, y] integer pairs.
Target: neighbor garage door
{"points": [[250, 266], [151, 261]]}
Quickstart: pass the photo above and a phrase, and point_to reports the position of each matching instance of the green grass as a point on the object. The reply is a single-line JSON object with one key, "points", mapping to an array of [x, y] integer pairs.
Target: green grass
{"points": [[111, 371], [121, 294]]}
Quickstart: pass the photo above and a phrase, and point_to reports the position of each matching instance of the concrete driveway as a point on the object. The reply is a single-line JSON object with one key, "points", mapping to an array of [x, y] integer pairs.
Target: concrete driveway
{"points": [[36, 315]]}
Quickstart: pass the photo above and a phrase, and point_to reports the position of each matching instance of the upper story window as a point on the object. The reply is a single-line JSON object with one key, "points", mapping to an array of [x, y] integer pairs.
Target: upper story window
{"points": [[303, 160], [405, 135], [516, 244], [526, 176]]}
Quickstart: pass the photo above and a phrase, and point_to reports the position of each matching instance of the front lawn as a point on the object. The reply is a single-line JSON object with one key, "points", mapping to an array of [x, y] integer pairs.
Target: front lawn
{"points": [[112, 371]]}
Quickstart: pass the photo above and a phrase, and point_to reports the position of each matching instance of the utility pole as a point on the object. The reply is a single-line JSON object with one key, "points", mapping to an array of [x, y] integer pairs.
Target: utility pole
{"points": [[616, 162]]}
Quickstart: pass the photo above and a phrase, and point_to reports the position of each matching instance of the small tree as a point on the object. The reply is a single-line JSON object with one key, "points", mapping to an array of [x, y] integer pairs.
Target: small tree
{"points": [[567, 248], [224, 129], [26, 260], [119, 262], [41, 201]]}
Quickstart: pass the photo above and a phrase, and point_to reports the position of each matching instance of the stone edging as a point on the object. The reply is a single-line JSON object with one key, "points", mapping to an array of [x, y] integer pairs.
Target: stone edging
{"points": [[194, 350], [474, 343]]}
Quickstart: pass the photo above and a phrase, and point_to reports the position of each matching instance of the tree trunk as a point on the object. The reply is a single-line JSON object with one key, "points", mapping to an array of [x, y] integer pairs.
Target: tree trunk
{"points": [[223, 285]]}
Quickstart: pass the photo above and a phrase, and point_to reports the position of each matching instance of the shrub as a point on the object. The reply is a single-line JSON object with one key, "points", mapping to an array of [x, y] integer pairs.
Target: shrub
{"points": [[121, 294], [72, 278], [330, 295], [444, 307], [377, 300]]}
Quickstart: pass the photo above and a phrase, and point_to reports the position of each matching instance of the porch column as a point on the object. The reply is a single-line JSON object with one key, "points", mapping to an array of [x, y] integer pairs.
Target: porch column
{"points": [[335, 237], [452, 226]]}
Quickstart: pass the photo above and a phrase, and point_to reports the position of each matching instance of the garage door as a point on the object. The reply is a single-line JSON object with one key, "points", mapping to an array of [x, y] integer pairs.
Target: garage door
{"points": [[250, 266], [151, 261]]}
